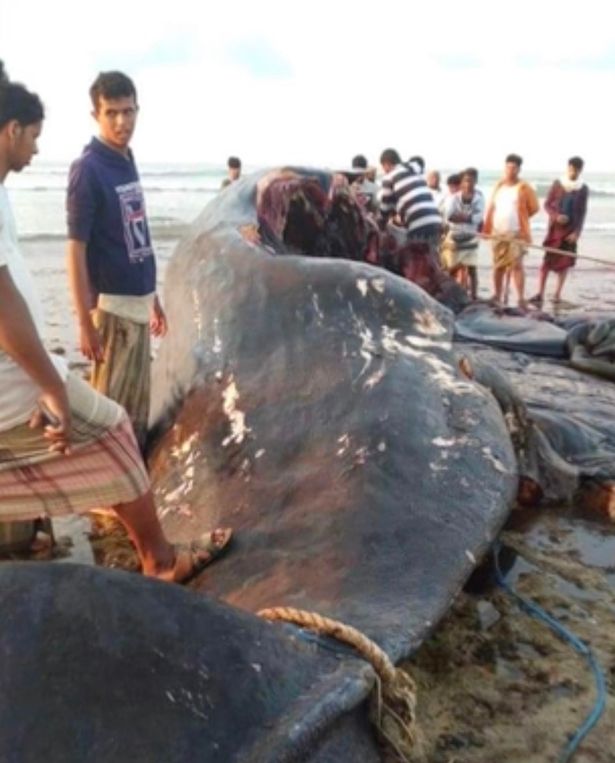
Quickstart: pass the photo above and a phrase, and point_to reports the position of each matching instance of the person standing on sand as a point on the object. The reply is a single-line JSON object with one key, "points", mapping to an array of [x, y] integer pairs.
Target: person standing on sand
{"points": [[463, 214], [512, 204], [65, 448], [111, 262], [432, 178], [233, 166], [566, 206]]}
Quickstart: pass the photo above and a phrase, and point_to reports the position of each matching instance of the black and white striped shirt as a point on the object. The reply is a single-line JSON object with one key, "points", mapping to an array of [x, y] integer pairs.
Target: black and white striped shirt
{"points": [[405, 192]]}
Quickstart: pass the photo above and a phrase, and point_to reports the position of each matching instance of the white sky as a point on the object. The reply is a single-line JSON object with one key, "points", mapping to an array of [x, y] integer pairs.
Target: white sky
{"points": [[316, 82]]}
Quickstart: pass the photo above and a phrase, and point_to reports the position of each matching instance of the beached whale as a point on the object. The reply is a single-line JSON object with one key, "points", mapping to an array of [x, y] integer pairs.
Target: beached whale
{"points": [[108, 667], [318, 406]]}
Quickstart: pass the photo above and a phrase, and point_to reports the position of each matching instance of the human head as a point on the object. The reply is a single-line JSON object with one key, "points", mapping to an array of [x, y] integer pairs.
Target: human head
{"points": [[233, 165], [468, 181], [359, 162], [115, 108], [418, 160], [21, 121], [433, 180], [512, 167], [575, 167], [473, 172], [389, 158], [453, 182]]}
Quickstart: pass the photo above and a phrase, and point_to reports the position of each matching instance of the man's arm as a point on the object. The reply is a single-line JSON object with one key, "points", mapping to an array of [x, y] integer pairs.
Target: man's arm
{"points": [[579, 216], [386, 203], [19, 339], [79, 282], [532, 201], [552, 202], [490, 211]]}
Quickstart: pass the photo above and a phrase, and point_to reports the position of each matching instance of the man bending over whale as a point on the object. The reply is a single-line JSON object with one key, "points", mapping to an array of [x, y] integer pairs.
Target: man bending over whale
{"points": [[406, 195]]}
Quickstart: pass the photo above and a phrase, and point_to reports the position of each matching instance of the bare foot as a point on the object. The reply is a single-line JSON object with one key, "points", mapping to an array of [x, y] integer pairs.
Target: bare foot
{"points": [[192, 558]]}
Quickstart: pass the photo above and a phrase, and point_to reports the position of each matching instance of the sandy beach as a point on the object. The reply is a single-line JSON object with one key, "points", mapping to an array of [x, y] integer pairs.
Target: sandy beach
{"points": [[494, 684]]}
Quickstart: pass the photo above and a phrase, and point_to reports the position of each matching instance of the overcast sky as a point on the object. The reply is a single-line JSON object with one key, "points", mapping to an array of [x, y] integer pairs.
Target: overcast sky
{"points": [[316, 82]]}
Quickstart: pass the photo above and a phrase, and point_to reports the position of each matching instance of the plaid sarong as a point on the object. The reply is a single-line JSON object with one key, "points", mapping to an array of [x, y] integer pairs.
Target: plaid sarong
{"points": [[104, 468], [124, 374], [507, 254]]}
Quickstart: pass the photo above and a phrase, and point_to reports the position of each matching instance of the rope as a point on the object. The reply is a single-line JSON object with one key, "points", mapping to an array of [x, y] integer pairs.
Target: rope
{"points": [[579, 646], [548, 249], [393, 703]]}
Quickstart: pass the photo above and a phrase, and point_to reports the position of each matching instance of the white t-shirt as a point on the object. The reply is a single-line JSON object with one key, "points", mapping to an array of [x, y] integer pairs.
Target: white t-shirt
{"points": [[506, 212], [18, 393]]}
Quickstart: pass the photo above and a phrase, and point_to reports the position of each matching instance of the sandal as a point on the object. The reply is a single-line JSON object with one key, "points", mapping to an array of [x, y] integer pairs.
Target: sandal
{"points": [[192, 558]]}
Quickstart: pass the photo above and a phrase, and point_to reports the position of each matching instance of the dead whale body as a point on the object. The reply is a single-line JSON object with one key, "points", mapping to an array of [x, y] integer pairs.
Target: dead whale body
{"points": [[316, 405], [106, 666], [560, 419]]}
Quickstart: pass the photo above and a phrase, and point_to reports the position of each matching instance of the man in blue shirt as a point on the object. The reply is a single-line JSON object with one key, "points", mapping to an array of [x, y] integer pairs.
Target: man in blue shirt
{"points": [[111, 264]]}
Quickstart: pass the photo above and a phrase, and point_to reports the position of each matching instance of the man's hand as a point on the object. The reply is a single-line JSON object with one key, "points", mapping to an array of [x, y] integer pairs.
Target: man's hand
{"points": [[158, 321], [53, 414], [572, 238], [562, 219], [89, 341]]}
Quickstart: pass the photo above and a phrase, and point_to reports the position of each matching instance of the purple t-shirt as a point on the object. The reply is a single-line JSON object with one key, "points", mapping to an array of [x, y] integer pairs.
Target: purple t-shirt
{"points": [[106, 210]]}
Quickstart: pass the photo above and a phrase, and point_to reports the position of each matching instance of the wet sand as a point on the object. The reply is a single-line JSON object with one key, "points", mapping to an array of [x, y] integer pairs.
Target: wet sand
{"points": [[495, 684]]}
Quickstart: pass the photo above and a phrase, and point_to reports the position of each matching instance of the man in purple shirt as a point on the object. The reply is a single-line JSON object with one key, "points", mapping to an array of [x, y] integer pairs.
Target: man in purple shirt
{"points": [[111, 264]]}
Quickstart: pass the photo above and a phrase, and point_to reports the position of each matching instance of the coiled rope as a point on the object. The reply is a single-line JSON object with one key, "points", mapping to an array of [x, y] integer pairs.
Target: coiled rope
{"points": [[393, 702]]}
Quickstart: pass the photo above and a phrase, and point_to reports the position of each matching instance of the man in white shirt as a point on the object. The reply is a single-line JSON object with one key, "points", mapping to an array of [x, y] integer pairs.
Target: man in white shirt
{"points": [[64, 447], [507, 221], [463, 213]]}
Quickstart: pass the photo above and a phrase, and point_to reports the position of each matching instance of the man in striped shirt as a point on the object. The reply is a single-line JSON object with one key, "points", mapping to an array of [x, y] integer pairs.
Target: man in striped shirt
{"points": [[413, 247], [406, 193]]}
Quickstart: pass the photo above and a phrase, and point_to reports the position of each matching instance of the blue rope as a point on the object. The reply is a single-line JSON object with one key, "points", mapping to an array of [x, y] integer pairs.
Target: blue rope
{"points": [[580, 646]]}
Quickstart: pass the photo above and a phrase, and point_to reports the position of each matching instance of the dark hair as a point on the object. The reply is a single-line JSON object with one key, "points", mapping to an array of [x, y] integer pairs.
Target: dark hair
{"points": [[359, 162], [233, 163], [390, 156], [417, 160], [112, 85], [18, 103], [514, 159], [454, 179], [576, 162], [472, 172]]}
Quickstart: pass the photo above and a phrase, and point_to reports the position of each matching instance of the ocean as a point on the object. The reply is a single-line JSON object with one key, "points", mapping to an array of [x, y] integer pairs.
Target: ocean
{"points": [[175, 194]]}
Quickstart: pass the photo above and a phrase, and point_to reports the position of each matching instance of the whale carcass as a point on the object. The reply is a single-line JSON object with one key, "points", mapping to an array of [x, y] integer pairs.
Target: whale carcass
{"points": [[316, 404]]}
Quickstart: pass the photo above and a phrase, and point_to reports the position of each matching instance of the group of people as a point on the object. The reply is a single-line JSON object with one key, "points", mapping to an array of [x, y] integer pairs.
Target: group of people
{"points": [[448, 226], [67, 446]]}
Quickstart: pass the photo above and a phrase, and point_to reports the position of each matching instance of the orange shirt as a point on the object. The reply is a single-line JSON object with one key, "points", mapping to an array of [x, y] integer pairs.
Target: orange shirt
{"points": [[528, 206]]}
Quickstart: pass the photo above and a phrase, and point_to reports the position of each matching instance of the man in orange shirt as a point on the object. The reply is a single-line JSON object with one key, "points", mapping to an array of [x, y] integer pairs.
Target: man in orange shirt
{"points": [[512, 204]]}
